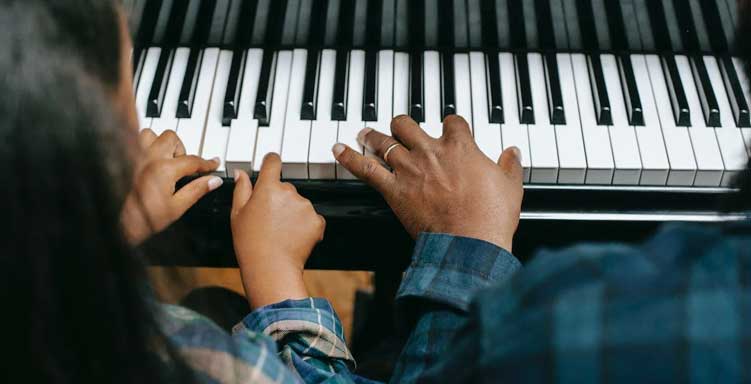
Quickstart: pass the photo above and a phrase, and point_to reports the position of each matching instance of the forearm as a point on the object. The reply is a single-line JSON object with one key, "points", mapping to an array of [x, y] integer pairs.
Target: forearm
{"points": [[433, 300]]}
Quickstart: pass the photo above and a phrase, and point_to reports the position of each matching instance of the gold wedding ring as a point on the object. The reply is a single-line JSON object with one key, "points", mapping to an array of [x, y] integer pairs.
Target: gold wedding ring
{"points": [[388, 150]]}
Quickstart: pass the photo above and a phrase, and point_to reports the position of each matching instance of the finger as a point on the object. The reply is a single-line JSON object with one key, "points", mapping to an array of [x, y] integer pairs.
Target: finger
{"points": [[511, 163], [146, 138], [365, 169], [379, 144], [188, 165], [167, 145], [271, 168], [408, 132], [179, 149], [323, 226], [243, 190], [456, 128], [189, 195]]}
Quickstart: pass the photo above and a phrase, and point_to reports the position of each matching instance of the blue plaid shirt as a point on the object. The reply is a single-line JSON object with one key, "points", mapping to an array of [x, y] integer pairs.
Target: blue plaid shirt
{"points": [[671, 309]]}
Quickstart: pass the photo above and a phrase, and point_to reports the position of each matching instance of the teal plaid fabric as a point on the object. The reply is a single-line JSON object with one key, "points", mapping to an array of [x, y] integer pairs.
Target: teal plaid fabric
{"points": [[674, 309]]}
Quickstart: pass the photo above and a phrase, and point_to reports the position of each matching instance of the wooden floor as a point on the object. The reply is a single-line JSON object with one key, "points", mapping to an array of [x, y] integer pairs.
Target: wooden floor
{"points": [[339, 287]]}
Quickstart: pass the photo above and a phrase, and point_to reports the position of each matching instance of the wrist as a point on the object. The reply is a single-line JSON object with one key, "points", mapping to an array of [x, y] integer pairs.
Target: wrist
{"points": [[272, 280]]}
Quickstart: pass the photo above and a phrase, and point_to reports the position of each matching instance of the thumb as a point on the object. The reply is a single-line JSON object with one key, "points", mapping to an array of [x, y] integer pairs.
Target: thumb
{"points": [[511, 163], [243, 190]]}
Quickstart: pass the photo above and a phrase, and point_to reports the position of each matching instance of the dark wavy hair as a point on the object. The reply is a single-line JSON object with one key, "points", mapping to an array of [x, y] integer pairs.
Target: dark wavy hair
{"points": [[76, 306]]}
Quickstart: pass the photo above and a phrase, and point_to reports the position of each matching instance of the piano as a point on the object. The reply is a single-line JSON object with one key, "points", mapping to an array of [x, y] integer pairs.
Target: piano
{"points": [[628, 113]]}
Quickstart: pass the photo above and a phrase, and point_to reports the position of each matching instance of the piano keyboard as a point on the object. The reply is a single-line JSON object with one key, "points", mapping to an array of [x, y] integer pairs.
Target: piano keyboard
{"points": [[580, 117]]}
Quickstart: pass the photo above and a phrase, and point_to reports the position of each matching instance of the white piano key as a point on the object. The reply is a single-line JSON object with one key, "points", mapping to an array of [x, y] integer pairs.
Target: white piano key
{"points": [[542, 145], [242, 132], [706, 150], [144, 85], [463, 88], [677, 141], [487, 136], [654, 158], [729, 138], [349, 128], [296, 135], [401, 83], [600, 164], [215, 135], [168, 118], [740, 69], [384, 92], [191, 130], [513, 133], [323, 133], [269, 138], [571, 157], [622, 135], [432, 84]]}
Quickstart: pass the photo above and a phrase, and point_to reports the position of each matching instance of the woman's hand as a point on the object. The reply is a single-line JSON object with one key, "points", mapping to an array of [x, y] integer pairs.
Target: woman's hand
{"points": [[274, 230], [444, 185], [153, 204]]}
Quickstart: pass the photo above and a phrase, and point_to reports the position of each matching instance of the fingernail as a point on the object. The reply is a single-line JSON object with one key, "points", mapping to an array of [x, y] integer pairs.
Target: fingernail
{"points": [[338, 149], [216, 160], [362, 134], [237, 174], [517, 153], [215, 182]]}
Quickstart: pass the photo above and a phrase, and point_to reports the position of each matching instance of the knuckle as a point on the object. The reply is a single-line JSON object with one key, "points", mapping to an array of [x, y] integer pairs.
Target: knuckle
{"points": [[369, 168]]}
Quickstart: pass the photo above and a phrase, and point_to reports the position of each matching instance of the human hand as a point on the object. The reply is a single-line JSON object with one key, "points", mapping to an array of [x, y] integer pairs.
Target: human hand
{"points": [[153, 204], [444, 185], [274, 230]]}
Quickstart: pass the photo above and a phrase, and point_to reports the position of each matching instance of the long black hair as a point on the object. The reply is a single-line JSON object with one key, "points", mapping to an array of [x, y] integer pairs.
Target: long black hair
{"points": [[75, 306]]}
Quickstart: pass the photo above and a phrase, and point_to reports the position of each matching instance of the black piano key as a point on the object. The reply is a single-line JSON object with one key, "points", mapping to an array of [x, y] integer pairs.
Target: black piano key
{"points": [[707, 98], [630, 92], [493, 76], [137, 57], [339, 104], [234, 87], [159, 86], [488, 25], [310, 88], [516, 25], [555, 96], [524, 90], [416, 100], [599, 91], [262, 108], [546, 34], [147, 24], [587, 24], [190, 82], [199, 37], [448, 91], [686, 25], [736, 96], [369, 95], [660, 32], [678, 100], [616, 26], [715, 29]]}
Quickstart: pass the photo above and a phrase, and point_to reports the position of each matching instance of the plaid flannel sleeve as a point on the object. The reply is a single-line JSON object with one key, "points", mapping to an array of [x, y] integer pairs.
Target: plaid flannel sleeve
{"points": [[309, 337], [434, 296]]}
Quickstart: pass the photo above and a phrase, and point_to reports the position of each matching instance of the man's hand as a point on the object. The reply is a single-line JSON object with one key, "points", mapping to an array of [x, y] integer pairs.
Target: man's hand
{"points": [[444, 185], [274, 230], [153, 204]]}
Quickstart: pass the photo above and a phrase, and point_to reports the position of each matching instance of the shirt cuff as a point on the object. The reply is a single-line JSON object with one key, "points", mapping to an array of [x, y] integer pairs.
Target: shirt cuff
{"points": [[312, 323], [448, 269]]}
